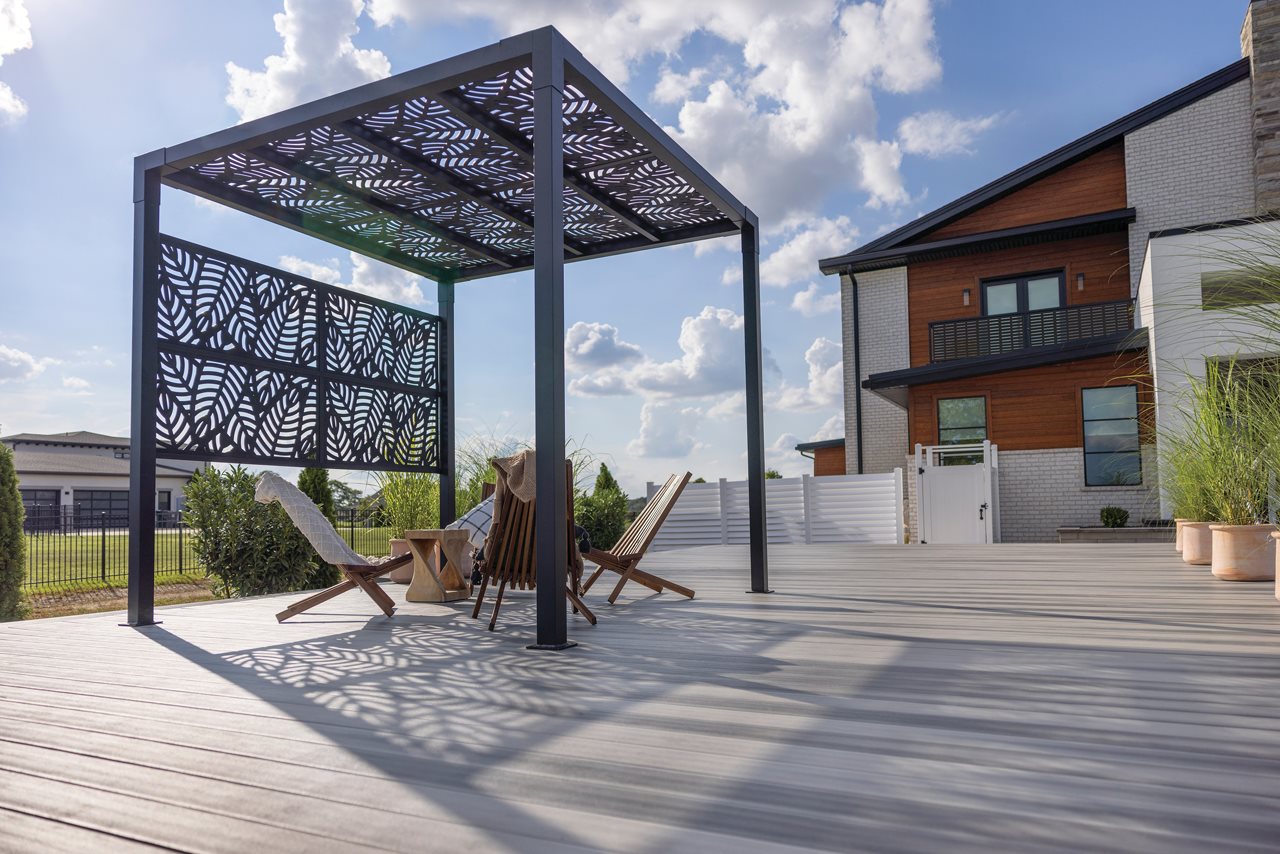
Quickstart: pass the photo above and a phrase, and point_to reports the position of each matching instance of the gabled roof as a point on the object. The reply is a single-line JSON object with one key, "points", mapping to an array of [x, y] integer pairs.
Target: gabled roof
{"points": [[1036, 169], [28, 462], [75, 437]]}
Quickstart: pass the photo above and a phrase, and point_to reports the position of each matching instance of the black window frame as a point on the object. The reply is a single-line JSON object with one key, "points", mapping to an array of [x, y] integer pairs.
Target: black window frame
{"points": [[986, 418], [1021, 280], [93, 504], [1137, 434], [167, 494]]}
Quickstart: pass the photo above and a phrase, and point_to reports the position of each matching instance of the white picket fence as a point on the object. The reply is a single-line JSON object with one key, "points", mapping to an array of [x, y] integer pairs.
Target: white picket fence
{"points": [[856, 508]]}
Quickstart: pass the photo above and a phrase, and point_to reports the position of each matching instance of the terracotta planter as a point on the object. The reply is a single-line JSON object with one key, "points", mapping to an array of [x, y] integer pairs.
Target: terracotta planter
{"points": [[1177, 534], [404, 574], [1197, 543], [1244, 552], [1276, 546]]}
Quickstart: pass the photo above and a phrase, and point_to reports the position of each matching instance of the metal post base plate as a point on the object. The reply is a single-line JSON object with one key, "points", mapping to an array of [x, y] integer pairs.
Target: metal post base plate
{"points": [[554, 647]]}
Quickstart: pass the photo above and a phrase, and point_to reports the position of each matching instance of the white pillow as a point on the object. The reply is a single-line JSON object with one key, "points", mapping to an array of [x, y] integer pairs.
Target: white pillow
{"points": [[476, 522]]}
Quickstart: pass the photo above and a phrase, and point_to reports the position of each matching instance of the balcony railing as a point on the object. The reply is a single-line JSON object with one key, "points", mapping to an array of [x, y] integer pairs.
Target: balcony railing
{"points": [[1008, 333]]}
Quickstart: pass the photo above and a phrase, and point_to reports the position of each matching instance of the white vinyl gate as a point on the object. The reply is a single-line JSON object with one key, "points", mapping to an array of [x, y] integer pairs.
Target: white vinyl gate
{"points": [[860, 508], [957, 488]]}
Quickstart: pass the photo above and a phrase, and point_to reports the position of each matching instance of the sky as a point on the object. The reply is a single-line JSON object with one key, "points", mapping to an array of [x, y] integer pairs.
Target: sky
{"points": [[834, 121]]}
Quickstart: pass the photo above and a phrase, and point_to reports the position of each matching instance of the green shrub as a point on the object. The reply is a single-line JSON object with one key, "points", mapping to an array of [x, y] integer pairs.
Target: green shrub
{"points": [[410, 501], [251, 548], [772, 474], [604, 512], [1114, 517], [12, 562], [315, 484]]}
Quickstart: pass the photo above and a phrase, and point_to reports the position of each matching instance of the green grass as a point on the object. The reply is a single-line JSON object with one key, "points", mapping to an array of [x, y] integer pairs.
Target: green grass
{"points": [[82, 562]]}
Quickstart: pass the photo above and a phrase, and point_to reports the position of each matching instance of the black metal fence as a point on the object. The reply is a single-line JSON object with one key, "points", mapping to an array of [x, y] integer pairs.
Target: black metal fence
{"points": [[68, 547], [1007, 333]]}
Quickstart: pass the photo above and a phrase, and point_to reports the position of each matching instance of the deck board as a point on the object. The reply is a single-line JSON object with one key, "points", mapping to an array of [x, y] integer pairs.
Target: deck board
{"points": [[1043, 698]]}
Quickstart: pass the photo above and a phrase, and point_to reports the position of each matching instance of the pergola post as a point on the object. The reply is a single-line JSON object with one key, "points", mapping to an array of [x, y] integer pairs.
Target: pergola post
{"points": [[145, 366], [551, 521], [755, 403], [448, 420]]}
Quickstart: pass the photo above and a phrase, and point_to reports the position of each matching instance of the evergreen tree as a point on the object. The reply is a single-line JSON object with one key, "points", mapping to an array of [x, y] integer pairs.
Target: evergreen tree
{"points": [[12, 565], [606, 480], [314, 483]]}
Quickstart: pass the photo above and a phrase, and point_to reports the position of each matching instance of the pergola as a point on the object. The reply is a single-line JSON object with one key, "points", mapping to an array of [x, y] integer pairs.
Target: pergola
{"points": [[520, 155]]}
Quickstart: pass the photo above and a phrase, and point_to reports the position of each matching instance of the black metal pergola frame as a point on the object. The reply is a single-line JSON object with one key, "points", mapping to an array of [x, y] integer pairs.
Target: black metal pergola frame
{"points": [[520, 155]]}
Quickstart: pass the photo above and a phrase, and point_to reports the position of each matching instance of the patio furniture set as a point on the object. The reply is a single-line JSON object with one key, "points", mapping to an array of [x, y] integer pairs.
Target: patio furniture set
{"points": [[508, 557]]}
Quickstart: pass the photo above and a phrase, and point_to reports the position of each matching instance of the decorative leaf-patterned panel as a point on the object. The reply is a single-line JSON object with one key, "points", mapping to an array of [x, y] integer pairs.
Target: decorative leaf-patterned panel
{"points": [[261, 366]]}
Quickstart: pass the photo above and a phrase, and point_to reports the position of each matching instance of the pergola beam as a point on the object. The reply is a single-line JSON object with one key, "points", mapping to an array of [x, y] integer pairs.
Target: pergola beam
{"points": [[412, 160], [320, 178], [480, 120]]}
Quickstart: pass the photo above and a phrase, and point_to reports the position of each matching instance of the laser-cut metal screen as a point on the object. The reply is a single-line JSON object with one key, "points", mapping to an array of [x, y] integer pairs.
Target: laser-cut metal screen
{"points": [[260, 366]]}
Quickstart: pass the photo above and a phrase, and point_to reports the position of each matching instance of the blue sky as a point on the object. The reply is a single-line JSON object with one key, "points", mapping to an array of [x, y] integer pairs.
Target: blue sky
{"points": [[835, 121]]}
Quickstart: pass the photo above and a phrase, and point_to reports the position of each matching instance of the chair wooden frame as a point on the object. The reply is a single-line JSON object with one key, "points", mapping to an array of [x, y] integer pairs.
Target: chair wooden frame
{"points": [[511, 558], [364, 577], [633, 544]]}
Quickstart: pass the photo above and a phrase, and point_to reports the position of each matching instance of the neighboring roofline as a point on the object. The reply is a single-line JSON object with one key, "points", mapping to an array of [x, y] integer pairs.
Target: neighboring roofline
{"points": [[819, 445], [986, 241], [955, 369], [1213, 226], [1054, 160], [51, 439], [176, 473]]}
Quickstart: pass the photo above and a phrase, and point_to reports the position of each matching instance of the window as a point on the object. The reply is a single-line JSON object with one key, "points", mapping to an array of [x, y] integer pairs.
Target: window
{"points": [[1020, 294], [1235, 288], [962, 420], [93, 504], [42, 509], [1111, 456], [164, 500]]}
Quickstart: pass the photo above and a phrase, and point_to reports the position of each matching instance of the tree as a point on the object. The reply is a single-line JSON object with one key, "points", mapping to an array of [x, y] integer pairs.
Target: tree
{"points": [[699, 480], [345, 496], [251, 548], [603, 513], [314, 483], [772, 474], [12, 561]]}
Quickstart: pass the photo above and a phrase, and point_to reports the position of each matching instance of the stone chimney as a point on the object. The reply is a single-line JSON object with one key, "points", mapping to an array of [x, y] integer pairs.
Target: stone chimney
{"points": [[1260, 42]]}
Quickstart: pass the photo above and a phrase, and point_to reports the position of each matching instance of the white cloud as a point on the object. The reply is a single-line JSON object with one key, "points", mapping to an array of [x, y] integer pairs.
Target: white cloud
{"points": [[318, 58], [814, 302], [600, 385], [367, 277], [17, 365], [879, 170], [712, 358], [832, 428], [810, 240], [782, 456], [15, 35], [826, 380], [937, 133], [799, 97], [732, 406], [593, 346], [666, 430], [673, 87], [75, 383]]}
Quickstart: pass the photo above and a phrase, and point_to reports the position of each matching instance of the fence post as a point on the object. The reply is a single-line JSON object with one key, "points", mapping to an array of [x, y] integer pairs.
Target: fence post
{"points": [[724, 512], [182, 555], [806, 486], [898, 498], [102, 563]]}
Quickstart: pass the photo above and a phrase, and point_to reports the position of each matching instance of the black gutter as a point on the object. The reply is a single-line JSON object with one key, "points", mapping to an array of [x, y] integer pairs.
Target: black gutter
{"points": [[857, 369], [1064, 156], [985, 241]]}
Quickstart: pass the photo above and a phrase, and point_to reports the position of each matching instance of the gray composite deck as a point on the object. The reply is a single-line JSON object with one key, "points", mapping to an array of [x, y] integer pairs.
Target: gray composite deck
{"points": [[1047, 697]]}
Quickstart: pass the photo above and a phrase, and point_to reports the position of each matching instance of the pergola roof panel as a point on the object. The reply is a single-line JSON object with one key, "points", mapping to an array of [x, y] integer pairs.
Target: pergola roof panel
{"points": [[439, 177]]}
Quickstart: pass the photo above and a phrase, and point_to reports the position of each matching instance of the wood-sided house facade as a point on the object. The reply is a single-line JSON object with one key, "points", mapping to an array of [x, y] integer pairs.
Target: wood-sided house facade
{"points": [[1008, 314]]}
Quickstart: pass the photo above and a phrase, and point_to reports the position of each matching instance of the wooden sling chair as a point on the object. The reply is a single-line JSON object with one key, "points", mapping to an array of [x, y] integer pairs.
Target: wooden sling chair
{"points": [[358, 571], [510, 556], [633, 544]]}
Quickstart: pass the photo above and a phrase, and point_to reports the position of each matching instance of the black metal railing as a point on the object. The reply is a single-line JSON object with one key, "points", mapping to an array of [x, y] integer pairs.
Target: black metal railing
{"points": [[74, 547], [1008, 333]]}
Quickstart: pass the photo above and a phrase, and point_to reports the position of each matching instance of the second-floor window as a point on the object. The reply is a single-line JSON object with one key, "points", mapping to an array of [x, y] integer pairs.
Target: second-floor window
{"points": [[1020, 294]]}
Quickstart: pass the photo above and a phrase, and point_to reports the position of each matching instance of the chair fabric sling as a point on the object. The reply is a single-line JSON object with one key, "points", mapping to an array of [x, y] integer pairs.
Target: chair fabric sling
{"points": [[313, 525], [634, 542], [510, 553]]}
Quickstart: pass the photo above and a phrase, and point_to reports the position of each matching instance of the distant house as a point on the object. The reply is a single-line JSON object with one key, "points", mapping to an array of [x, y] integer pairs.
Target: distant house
{"points": [[827, 456], [83, 474]]}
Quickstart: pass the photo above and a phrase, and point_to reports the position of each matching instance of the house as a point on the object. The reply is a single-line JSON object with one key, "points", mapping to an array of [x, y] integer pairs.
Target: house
{"points": [[1009, 314], [827, 456], [85, 475]]}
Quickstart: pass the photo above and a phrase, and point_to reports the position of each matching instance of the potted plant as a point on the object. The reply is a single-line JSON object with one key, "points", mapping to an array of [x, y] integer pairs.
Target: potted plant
{"points": [[1182, 477], [410, 501]]}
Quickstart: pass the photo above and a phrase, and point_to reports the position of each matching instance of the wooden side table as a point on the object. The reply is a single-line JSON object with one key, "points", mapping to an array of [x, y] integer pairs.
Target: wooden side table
{"points": [[440, 567]]}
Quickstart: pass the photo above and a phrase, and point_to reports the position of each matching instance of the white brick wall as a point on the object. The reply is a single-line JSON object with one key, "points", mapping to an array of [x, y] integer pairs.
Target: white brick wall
{"points": [[1041, 491], [882, 306], [1192, 167]]}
